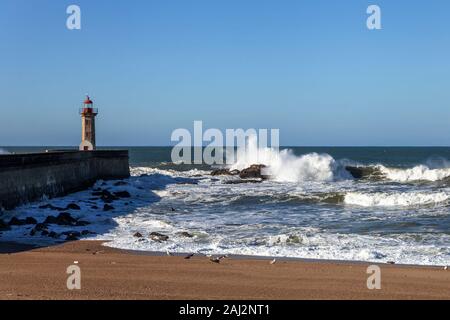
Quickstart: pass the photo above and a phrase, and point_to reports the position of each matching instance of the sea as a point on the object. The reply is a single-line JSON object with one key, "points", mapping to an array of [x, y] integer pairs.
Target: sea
{"points": [[311, 207]]}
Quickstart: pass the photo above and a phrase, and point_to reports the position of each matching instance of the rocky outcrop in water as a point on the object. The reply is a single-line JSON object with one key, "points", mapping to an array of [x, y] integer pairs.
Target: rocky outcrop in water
{"points": [[252, 172], [159, 237], [364, 172]]}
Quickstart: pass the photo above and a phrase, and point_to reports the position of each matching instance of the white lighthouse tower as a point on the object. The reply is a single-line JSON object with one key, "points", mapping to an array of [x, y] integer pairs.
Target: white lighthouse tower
{"points": [[88, 114]]}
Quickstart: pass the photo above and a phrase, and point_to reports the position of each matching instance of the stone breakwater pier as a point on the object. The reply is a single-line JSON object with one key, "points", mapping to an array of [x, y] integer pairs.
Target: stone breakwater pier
{"points": [[29, 177]]}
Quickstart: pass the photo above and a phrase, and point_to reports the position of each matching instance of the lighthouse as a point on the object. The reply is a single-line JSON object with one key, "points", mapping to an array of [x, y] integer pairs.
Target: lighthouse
{"points": [[88, 114]]}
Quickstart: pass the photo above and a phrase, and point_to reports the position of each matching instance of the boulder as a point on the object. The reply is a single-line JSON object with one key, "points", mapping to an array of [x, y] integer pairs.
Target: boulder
{"points": [[137, 235], [105, 196], [53, 234], [254, 171], [38, 228], [221, 172], [30, 220], [21, 222], [185, 234], [73, 236], [63, 219], [365, 172], [156, 236], [16, 222], [4, 226]]}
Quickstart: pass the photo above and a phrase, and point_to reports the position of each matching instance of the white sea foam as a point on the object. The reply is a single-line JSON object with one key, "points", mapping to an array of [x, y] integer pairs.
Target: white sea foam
{"points": [[401, 199], [284, 166], [417, 173], [4, 151]]}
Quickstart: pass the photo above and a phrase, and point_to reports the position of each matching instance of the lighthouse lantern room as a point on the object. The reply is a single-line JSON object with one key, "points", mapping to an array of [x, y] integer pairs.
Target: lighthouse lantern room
{"points": [[88, 114]]}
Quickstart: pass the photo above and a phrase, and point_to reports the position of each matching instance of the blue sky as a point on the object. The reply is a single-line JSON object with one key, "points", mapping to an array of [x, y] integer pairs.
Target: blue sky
{"points": [[310, 68]]}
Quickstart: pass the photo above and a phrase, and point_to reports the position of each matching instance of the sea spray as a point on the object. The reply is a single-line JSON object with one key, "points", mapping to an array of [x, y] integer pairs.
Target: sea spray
{"points": [[3, 151], [284, 165]]}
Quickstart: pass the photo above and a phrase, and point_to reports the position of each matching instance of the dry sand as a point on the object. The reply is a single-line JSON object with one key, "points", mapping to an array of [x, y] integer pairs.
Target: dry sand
{"points": [[115, 274]]}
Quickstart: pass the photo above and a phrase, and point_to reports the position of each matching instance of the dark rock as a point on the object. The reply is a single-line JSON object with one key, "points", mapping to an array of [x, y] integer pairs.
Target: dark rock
{"points": [[21, 222], [185, 234], [4, 226], [137, 235], [122, 194], [156, 236], [108, 207], [40, 227], [44, 232], [53, 234], [51, 220], [225, 172], [81, 223], [242, 181], [63, 219], [16, 222], [30, 220], [105, 196], [365, 172], [71, 237], [254, 171], [73, 206]]}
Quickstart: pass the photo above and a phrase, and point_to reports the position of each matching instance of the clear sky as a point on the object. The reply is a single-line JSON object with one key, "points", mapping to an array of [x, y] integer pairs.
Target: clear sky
{"points": [[310, 68]]}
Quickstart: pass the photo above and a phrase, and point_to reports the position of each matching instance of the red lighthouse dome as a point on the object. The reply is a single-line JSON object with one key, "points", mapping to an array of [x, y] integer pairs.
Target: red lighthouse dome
{"points": [[88, 100]]}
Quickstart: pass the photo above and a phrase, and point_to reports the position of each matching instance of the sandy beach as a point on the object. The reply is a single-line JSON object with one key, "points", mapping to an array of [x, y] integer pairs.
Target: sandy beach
{"points": [[108, 273]]}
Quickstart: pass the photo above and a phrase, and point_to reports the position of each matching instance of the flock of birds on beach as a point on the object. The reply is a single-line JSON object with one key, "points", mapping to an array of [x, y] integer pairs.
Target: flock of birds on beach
{"points": [[217, 259]]}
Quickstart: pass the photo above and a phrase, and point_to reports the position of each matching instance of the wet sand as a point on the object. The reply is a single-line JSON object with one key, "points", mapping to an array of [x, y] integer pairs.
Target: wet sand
{"points": [[108, 273]]}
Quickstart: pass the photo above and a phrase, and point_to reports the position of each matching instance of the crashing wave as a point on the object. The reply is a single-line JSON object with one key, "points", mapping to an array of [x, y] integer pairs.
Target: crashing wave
{"points": [[418, 173], [285, 166], [403, 199]]}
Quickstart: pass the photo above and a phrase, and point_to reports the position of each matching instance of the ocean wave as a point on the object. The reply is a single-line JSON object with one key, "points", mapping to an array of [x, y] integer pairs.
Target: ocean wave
{"points": [[417, 173], [402, 199], [285, 166]]}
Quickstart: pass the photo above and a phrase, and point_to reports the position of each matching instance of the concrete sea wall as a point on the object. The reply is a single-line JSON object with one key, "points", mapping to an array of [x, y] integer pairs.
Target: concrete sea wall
{"points": [[28, 177]]}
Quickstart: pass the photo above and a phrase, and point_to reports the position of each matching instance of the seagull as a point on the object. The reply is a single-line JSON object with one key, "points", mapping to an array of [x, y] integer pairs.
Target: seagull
{"points": [[217, 259], [214, 259], [168, 253], [446, 268], [273, 261], [189, 256]]}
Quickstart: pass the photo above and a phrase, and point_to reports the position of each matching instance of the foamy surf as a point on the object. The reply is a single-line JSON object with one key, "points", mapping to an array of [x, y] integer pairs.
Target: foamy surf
{"points": [[403, 199], [310, 209], [417, 173]]}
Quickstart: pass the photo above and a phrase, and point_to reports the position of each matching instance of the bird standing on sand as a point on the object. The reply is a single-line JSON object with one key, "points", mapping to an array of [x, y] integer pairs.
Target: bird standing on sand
{"points": [[189, 256], [446, 268], [273, 261], [217, 259], [168, 253], [214, 259]]}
